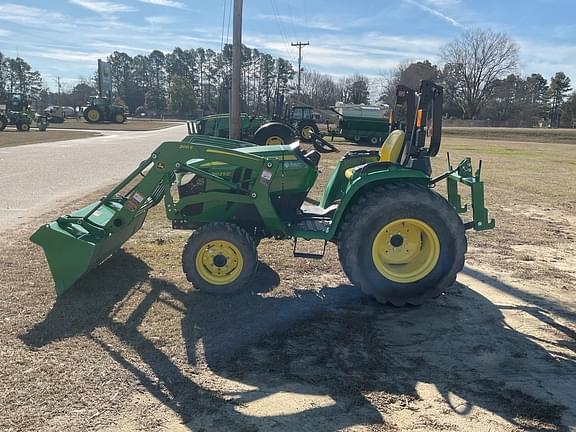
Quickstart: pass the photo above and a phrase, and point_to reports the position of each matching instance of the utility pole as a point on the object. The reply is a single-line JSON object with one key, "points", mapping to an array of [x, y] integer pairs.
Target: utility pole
{"points": [[59, 91], [236, 73], [300, 45]]}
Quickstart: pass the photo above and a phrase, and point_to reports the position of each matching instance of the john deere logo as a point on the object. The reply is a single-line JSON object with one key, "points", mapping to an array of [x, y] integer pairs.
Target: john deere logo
{"points": [[161, 166]]}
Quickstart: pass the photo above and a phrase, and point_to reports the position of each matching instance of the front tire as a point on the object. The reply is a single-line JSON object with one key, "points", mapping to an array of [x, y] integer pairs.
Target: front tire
{"points": [[220, 258], [306, 129], [3, 123], [402, 244], [23, 126], [119, 118]]}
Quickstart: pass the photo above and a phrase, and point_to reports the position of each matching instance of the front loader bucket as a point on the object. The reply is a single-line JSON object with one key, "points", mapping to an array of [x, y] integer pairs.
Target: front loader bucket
{"points": [[74, 245]]}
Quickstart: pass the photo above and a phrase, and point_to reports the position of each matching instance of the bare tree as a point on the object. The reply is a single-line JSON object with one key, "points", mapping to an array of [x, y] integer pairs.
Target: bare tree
{"points": [[408, 74], [473, 63]]}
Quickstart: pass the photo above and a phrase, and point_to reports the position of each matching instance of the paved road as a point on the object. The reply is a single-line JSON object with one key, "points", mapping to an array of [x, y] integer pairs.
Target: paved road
{"points": [[34, 178]]}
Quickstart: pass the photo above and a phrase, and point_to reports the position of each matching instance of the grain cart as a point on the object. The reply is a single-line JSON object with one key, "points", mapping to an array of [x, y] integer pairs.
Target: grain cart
{"points": [[398, 240], [360, 123], [18, 113]]}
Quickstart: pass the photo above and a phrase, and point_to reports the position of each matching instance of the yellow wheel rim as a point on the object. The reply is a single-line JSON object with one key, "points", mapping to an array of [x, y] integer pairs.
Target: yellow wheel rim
{"points": [[93, 115], [219, 262], [406, 250], [307, 132], [119, 118], [275, 140]]}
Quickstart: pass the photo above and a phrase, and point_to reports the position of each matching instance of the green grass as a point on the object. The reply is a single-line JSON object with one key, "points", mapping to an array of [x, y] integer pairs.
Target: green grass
{"points": [[554, 136]]}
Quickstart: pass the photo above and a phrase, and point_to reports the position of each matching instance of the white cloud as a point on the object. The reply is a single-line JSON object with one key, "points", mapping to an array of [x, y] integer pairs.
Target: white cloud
{"points": [[435, 11], [443, 3], [309, 22], [26, 15], [64, 55], [103, 6], [366, 53], [167, 3], [160, 20]]}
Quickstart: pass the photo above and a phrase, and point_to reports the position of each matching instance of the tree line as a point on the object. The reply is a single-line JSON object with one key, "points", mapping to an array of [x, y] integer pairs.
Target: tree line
{"points": [[198, 81], [479, 72], [481, 82]]}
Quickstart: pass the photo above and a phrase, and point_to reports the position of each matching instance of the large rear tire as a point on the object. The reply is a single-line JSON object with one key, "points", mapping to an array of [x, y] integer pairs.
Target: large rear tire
{"points": [[3, 123], [220, 258], [274, 133], [402, 244], [92, 115]]}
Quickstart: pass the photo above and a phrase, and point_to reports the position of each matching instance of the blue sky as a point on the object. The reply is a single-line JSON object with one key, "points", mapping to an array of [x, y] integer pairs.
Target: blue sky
{"points": [[66, 37]]}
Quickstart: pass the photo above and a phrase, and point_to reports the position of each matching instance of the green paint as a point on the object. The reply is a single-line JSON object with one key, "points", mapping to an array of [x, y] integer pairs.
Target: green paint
{"points": [[235, 182]]}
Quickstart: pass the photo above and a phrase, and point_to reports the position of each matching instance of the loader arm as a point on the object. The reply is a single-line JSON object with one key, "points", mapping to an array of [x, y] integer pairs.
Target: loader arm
{"points": [[76, 243], [171, 157]]}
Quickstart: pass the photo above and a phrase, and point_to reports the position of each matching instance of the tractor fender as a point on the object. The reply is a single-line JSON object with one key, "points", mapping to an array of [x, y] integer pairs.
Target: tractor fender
{"points": [[368, 181]]}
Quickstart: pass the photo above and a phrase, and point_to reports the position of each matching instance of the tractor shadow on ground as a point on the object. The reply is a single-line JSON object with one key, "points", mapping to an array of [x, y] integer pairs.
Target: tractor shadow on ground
{"points": [[320, 360]]}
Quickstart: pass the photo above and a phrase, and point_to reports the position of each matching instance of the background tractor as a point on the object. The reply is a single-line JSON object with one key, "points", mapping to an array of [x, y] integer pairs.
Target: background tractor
{"points": [[100, 110], [218, 125], [397, 238], [255, 129], [16, 111], [297, 124], [301, 118]]}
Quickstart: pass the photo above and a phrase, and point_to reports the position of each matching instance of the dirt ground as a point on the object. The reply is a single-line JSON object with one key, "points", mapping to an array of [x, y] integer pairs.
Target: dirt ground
{"points": [[134, 348], [11, 137], [130, 125]]}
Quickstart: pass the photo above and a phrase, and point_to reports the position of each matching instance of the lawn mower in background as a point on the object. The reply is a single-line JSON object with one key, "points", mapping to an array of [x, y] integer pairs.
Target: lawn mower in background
{"points": [[17, 112]]}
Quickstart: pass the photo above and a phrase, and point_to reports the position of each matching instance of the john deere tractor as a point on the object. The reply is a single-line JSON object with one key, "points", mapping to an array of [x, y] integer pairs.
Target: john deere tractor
{"points": [[218, 125], [298, 123], [398, 239], [301, 118], [255, 129], [100, 110], [17, 112]]}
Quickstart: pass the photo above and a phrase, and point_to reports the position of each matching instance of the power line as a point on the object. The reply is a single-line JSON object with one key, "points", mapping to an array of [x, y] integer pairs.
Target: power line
{"points": [[223, 24], [229, 19], [283, 33]]}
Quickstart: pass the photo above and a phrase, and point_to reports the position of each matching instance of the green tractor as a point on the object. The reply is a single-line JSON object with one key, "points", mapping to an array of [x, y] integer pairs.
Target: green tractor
{"points": [[299, 124], [100, 110], [18, 113], [301, 118], [218, 125], [255, 129], [398, 240]]}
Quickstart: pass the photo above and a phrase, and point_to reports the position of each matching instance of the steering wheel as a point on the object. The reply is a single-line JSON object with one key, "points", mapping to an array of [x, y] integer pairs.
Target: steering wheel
{"points": [[321, 145]]}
